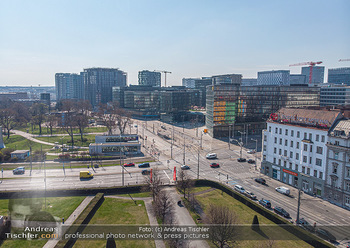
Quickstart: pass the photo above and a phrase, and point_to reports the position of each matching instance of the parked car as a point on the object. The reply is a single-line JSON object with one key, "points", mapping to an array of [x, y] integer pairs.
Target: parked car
{"points": [[214, 165], [239, 188], [19, 171], [129, 164], [144, 165], [326, 235], [283, 190], [251, 161], [304, 224], [241, 159], [265, 203], [251, 151], [146, 172], [250, 195], [211, 155], [260, 180], [185, 167], [281, 211]]}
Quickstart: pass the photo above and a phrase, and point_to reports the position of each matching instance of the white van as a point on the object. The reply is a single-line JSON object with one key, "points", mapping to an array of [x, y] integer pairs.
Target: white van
{"points": [[283, 190], [211, 156], [239, 188]]}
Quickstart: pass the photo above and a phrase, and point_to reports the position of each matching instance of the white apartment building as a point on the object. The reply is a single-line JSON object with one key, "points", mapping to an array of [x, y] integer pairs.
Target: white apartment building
{"points": [[294, 147], [337, 185]]}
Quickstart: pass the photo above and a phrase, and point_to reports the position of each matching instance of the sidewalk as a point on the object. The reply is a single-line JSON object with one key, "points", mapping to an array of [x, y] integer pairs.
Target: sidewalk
{"points": [[52, 242]]}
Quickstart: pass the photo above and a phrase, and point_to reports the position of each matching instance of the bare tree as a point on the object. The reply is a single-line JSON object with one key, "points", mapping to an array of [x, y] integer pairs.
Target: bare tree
{"points": [[153, 184], [68, 123], [163, 206], [114, 117], [183, 183], [223, 234], [8, 119], [38, 111], [82, 118], [51, 121]]}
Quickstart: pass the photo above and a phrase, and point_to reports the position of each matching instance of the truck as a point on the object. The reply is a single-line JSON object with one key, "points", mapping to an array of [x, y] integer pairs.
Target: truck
{"points": [[283, 190], [86, 175]]}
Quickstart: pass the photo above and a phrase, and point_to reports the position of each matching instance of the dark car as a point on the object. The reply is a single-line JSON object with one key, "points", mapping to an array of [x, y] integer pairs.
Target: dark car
{"points": [[145, 172], [185, 167], [282, 212], [129, 164], [241, 159], [19, 171], [326, 235], [214, 165], [144, 165], [260, 180], [304, 224], [265, 203], [251, 161]]}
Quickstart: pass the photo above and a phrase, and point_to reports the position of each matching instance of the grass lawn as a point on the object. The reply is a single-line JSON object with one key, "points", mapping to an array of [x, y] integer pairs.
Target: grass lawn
{"points": [[245, 215], [18, 142], [119, 211], [44, 130], [142, 194], [66, 139], [59, 207]]}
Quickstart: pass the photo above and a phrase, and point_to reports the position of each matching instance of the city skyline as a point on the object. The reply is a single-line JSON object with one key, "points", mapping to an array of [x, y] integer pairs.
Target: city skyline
{"points": [[190, 39]]}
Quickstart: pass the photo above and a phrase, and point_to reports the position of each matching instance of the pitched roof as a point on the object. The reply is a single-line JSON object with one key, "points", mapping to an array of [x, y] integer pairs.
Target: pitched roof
{"points": [[342, 128], [310, 116]]}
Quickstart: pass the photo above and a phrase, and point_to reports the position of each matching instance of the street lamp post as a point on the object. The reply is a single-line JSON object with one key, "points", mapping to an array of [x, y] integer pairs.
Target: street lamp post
{"points": [[256, 151], [242, 135], [241, 145]]}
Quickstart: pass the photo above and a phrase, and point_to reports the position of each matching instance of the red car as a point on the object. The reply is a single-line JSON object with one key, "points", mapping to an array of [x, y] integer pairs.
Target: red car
{"points": [[129, 164], [214, 165]]}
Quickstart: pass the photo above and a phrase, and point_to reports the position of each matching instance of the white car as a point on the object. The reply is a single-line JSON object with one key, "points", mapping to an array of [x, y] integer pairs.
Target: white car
{"points": [[251, 151], [211, 155], [283, 190], [239, 188]]}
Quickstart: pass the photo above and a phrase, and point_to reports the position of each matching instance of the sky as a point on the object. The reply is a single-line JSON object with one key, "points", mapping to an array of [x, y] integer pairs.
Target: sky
{"points": [[190, 38]]}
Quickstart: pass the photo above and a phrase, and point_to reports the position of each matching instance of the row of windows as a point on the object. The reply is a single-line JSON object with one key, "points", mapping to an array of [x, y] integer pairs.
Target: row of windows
{"points": [[306, 136], [304, 169], [319, 149]]}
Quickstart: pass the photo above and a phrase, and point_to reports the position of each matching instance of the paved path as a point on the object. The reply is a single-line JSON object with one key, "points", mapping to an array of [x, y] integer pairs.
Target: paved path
{"points": [[183, 218], [52, 242], [150, 212]]}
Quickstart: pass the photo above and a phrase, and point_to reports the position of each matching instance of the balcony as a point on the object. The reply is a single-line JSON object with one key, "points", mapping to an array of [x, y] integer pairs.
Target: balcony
{"points": [[307, 141]]}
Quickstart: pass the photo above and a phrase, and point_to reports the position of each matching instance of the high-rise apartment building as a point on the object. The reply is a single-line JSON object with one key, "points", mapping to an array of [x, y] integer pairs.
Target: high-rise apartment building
{"points": [[339, 75], [98, 83], [149, 78], [317, 74], [69, 86], [280, 77]]}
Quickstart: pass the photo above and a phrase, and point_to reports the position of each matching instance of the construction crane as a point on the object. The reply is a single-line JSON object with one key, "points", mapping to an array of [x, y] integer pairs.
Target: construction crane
{"points": [[341, 60], [311, 64], [165, 72]]}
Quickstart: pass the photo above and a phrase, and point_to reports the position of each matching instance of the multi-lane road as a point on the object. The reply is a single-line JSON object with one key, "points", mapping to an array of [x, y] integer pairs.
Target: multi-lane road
{"points": [[230, 172]]}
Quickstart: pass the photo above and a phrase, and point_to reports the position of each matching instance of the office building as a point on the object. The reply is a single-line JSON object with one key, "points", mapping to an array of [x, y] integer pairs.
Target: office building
{"points": [[98, 83], [45, 98], [317, 74], [337, 185], [69, 86], [295, 147], [339, 76], [250, 106], [249, 81], [149, 78], [235, 79], [189, 82], [297, 79], [333, 95], [201, 85], [280, 77]]}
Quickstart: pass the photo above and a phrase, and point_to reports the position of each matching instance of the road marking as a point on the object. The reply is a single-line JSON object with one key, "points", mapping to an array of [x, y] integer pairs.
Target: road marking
{"points": [[232, 182], [166, 174]]}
